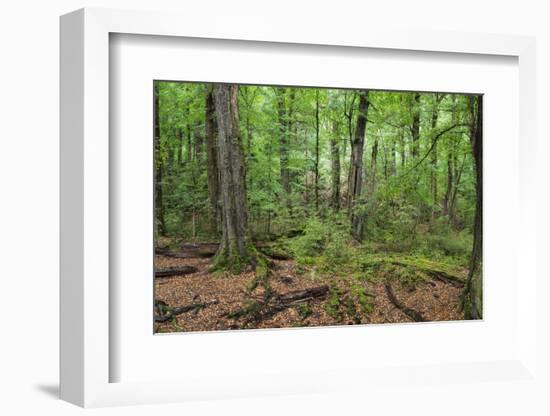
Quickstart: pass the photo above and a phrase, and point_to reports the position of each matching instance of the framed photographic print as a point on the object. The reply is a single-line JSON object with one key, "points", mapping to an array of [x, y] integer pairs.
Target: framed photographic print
{"points": [[283, 213]]}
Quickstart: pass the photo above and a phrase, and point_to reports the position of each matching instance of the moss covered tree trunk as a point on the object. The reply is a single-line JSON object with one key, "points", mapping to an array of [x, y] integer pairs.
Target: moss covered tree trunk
{"points": [[234, 253], [472, 298]]}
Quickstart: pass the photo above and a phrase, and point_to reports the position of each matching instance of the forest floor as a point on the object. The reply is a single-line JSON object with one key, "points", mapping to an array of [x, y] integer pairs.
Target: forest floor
{"points": [[225, 302]]}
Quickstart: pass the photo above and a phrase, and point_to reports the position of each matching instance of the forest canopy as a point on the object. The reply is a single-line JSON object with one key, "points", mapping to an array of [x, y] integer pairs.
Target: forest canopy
{"points": [[330, 177]]}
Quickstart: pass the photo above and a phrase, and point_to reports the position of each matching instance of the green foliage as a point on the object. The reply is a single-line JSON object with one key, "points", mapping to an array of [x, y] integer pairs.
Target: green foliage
{"points": [[325, 244]]}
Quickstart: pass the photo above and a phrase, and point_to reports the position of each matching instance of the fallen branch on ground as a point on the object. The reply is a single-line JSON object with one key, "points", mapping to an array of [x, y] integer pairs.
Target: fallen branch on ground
{"points": [[175, 271], [259, 309], [164, 313], [206, 250], [411, 313]]}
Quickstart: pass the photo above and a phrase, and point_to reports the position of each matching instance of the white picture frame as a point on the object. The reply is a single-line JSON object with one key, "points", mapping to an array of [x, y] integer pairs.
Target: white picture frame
{"points": [[86, 356]]}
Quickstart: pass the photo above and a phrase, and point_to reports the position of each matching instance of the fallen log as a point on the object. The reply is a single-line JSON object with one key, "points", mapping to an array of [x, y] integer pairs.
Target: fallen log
{"points": [[186, 254], [411, 313], [175, 271], [166, 313], [259, 309], [312, 292], [206, 250]]}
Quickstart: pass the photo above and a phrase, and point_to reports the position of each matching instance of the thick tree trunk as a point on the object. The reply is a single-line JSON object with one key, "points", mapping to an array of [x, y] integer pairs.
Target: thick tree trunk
{"points": [[159, 206], [473, 292], [234, 253], [213, 173], [356, 166], [335, 165]]}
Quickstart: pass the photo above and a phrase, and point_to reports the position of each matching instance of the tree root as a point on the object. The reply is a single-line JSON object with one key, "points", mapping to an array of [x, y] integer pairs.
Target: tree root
{"points": [[411, 313]]}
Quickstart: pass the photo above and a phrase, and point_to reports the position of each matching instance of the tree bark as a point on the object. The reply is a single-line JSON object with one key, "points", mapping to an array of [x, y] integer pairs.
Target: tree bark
{"points": [[283, 139], [473, 292], [180, 147], [213, 173], [356, 166], [234, 253], [373, 163], [415, 126], [159, 206], [335, 165], [317, 150], [433, 173]]}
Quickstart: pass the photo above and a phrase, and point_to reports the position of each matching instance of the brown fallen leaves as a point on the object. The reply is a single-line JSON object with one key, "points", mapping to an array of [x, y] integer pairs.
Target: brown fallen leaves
{"points": [[435, 300]]}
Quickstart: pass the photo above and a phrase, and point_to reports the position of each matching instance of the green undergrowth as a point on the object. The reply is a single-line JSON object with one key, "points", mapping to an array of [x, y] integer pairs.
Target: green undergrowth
{"points": [[353, 304]]}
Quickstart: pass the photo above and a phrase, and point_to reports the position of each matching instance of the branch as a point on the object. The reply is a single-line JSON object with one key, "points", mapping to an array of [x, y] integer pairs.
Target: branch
{"points": [[434, 141]]}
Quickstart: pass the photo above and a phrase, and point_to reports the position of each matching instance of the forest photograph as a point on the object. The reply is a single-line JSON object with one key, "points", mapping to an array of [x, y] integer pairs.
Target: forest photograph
{"points": [[284, 206]]}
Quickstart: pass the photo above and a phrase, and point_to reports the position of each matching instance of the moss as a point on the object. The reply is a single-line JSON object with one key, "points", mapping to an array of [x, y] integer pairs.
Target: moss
{"points": [[332, 305], [305, 310], [230, 260]]}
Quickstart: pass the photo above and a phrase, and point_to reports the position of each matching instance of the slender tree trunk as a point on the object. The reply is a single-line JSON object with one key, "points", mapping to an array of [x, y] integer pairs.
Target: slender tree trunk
{"points": [[234, 253], [198, 144], [180, 146], [447, 207], [283, 139], [335, 165], [373, 163], [213, 173], [356, 166], [415, 126], [433, 173], [159, 206], [393, 160], [317, 151], [473, 291], [403, 148]]}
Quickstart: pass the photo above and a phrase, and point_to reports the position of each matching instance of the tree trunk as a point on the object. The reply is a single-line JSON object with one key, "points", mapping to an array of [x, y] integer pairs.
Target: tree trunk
{"points": [[403, 148], [189, 146], [433, 173], [213, 173], [198, 144], [447, 206], [335, 165], [473, 291], [159, 206], [356, 166], [317, 150], [283, 139], [180, 146], [415, 126], [234, 253], [373, 162]]}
